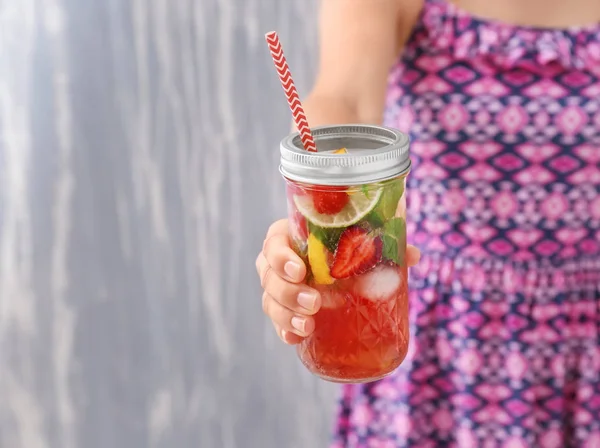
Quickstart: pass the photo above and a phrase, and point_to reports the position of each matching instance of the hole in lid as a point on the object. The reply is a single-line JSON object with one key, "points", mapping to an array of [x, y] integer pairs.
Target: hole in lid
{"points": [[354, 144]]}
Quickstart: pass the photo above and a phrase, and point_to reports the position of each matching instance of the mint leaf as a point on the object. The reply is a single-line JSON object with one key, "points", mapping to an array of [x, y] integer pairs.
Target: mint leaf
{"points": [[395, 227], [394, 240], [392, 192], [365, 189], [329, 237], [387, 204], [374, 219], [390, 249]]}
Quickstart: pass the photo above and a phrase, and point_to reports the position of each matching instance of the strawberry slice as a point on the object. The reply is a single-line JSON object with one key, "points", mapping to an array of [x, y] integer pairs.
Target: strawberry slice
{"points": [[329, 200], [357, 252]]}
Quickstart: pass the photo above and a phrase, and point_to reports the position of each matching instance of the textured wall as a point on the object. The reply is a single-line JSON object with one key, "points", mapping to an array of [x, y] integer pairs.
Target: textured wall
{"points": [[138, 174]]}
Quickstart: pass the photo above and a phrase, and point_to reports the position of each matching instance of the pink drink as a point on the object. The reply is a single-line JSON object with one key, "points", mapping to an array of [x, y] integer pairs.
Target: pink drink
{"points": [[353, 241]]}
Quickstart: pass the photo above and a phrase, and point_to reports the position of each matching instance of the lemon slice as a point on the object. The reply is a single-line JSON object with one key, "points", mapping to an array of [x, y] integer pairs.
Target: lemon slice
{"points": [[335, 151], [360, 205], [317, 258]]}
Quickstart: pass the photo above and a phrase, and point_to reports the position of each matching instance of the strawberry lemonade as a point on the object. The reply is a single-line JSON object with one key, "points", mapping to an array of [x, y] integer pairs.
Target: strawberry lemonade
{"points": [[346, 206]]}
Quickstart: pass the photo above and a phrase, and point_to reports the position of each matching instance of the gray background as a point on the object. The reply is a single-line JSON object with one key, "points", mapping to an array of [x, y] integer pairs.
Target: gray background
{"points": [[138, 174]]}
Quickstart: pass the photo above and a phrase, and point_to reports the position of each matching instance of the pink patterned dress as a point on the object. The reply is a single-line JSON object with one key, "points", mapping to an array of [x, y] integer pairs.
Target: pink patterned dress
{"points": [[504, 202]]}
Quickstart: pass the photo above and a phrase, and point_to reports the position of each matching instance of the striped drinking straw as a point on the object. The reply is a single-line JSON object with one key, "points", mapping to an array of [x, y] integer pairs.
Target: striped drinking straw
{"points": [[283, 70]]}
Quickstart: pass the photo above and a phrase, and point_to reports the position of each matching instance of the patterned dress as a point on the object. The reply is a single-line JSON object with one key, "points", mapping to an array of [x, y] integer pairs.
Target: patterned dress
{"points": [[504, 202]]}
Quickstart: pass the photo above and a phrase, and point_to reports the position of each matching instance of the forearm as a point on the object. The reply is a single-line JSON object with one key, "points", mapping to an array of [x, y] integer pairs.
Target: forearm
{"points": [[359, 42]]}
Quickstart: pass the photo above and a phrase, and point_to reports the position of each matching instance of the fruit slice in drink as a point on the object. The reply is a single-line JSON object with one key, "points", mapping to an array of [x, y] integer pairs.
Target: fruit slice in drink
{"points": [[358, 205]]}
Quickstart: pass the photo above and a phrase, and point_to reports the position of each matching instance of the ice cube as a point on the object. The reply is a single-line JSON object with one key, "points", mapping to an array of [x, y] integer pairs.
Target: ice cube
{"points": [[333, 299], [380, 283], [331, 296]]}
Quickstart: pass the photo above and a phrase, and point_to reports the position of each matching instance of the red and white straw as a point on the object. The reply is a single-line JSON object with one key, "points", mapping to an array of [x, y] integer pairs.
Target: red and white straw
{"points": [[291, 93]]}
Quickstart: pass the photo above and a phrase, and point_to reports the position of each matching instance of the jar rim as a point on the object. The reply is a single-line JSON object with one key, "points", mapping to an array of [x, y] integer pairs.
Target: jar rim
{"points": [[375, 153]]}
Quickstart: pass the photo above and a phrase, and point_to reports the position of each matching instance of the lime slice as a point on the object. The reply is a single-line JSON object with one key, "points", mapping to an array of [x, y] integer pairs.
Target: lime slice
{"points": [[360, 205]]}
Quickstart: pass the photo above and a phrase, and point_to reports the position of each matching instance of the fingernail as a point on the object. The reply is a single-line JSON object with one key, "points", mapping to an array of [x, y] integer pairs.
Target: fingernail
{"points": [[292, 269], [298, 323], [307, 300]]}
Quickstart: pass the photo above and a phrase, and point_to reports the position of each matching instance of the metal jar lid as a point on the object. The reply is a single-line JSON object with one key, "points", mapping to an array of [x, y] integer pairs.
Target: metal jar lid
{"points": [[375, 153]]}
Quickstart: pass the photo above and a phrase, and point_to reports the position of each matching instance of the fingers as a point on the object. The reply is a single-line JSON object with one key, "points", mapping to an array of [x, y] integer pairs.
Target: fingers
{"points": [[286, 300], [286, 320], [291, 311], [297, 297], [264, 269], [280, 256], [413, 255], [286, 336]]}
